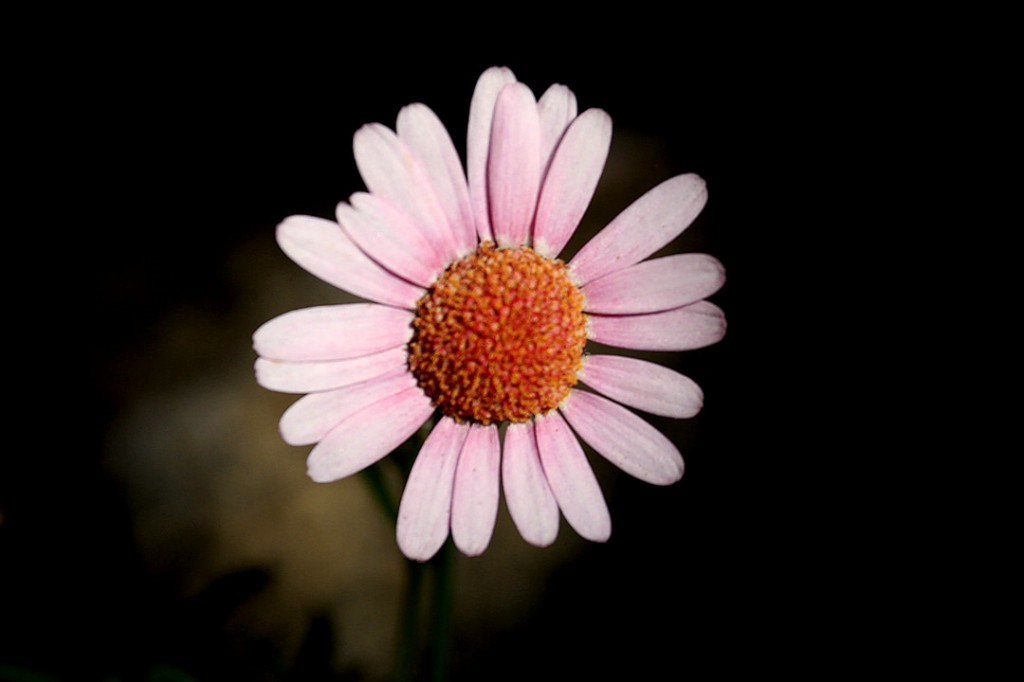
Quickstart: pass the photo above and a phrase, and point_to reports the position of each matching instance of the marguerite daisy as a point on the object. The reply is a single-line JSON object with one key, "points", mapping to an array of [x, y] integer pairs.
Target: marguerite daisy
{"points": [[473, 319]]}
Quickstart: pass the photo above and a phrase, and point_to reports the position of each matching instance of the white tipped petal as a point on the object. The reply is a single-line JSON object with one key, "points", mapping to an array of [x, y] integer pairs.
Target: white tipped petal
{"points": [[531, 504], [333, 332], [390, 238], [313, 415], [649, 223], [478, 143], [571, 180], [323, 249], [513, 165], [420, 128], [308, 377], [655, 285], [623, 438], [557, 109], [477, 486], [368, 435], [393, 172], [425, 511], [643, 385], [694, 326], [571, 479]]}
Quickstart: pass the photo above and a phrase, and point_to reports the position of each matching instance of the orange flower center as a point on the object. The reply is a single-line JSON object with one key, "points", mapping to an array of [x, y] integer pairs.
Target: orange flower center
{"points": [[499, 337]]}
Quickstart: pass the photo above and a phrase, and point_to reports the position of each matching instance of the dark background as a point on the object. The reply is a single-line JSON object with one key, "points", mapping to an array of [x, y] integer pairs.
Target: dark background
{"points": [[147, 164]]}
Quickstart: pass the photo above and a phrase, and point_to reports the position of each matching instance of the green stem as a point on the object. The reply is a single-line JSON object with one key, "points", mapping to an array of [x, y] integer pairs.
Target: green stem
{"points": [[441, 626], [441, 607], [408, 641], [379, 489]]}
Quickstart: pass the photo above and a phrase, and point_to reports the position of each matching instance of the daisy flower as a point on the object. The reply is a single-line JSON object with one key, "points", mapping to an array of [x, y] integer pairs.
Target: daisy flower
{"points": [[472, 317]]}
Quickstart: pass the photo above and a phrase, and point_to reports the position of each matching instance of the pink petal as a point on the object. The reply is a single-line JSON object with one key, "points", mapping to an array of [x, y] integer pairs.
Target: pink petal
{"points": [[368, 435], [571, 479], [425, 511], [307, 377], [312, 416], [475, 498], [571, 180], [333, 332], [655, 285], [513, 165], [643, 385], [478, 143], [389, 238], [393, 172], [694, 326], [323, 249], [648, 224], [623, 438], [531, 503], [557, 109], [420, 128]]}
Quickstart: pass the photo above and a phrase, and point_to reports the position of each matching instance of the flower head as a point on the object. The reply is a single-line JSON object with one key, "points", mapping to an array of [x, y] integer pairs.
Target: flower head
{"points": [[473, 318]]}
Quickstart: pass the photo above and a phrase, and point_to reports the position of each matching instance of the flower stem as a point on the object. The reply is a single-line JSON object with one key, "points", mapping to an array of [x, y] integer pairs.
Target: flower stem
{"points": [[441, 625], [407, 639], [379, 489]]}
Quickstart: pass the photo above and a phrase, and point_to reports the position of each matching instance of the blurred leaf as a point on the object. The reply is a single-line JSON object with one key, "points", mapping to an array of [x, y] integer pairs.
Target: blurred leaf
{"points": [[168, 673], [10, 673]]}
